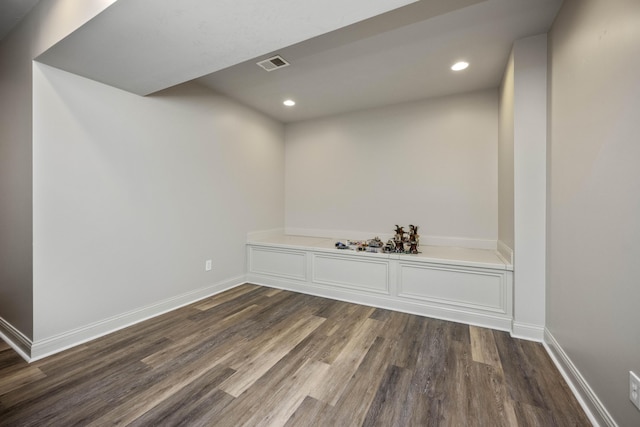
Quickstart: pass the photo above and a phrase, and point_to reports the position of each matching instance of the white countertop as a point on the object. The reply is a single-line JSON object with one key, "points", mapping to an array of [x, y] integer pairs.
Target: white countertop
{"points": [[482, 258]]}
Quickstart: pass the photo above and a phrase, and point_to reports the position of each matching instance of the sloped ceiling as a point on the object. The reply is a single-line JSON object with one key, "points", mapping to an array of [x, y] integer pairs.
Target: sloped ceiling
{"points": [[344, 56], [144, 46]]}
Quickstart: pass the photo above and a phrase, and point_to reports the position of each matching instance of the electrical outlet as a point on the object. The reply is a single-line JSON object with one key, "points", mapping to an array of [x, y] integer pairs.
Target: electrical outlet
{"points": [[634, 389], [207, 265]]}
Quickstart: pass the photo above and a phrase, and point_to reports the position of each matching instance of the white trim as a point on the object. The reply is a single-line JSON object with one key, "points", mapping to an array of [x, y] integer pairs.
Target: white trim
{"points": [[527, 331], [501, 306], [16, 339], [505, 252], [46, 347], [460, 242], [291, 253], [344, 284], [593, 407]]}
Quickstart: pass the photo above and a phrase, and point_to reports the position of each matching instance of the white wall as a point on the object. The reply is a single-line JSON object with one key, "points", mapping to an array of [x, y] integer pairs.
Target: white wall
{"points": [[529, 184], [431, 163], [48, 22], [522, 180], [15, 188], [593, 288], [132, 194], [505, 163]]}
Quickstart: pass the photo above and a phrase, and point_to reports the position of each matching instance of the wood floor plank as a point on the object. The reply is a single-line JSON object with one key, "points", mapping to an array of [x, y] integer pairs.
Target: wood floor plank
{"points": [[19, 377], [406, 333], [340, 330], [564, 407], [189, 404], [167, 385], [347, 363], [196, 337], [281, 308], [494, 404], [483, 346], [331, 309], [57, 403], [311, 412], [223, 309], [425, 398], [267, 337], [258, 356], [533, 416], [459, 402], [95, 398], [460, 332], [519, 373], [282, 402], [381, 314], [361, 389], [53, 387], [273, 291], [9, 359], [250, 369], [389, 402], [259, 398]]}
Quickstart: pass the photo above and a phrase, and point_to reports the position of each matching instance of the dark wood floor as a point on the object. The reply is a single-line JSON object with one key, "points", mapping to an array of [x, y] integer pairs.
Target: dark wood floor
{"points": [[259, 356]]}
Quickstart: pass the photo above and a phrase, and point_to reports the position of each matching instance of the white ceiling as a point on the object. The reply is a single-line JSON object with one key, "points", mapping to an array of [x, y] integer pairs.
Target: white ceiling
{"points": [[345, 56], [11, 12], [144, 46], [371, 64]]}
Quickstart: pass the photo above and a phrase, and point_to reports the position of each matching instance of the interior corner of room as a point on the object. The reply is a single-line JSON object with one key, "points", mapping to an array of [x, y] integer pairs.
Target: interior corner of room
{"points": [[148, 172]]}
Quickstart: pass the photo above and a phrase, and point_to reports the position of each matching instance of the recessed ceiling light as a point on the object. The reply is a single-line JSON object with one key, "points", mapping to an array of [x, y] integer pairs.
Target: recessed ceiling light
{"points": [[289, 103], [458, 66]]}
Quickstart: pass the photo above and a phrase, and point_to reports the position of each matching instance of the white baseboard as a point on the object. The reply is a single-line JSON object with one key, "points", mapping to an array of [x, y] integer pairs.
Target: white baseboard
{"points": [[46, 347], [16, 339], [593, 407], [505, 252], [527, 331], [460, 242]]}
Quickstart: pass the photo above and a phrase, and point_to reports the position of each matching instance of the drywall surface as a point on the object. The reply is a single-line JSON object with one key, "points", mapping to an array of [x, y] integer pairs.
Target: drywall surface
{"points": [[15, 185], [505, 158], [46, 24], [530, 185], [594, 194], [432, 163], [132, 194], [164, 42]]}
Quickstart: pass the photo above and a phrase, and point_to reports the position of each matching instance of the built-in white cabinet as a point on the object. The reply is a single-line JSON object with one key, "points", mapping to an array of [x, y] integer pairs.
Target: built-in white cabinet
{"points": [[468, 286]]}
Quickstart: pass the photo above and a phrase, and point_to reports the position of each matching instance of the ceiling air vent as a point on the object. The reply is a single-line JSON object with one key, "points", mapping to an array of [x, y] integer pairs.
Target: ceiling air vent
{"points": [[273, 63]]}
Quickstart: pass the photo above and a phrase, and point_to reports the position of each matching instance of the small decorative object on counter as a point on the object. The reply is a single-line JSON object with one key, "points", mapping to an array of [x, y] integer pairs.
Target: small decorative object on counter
{"points": [[402, 243], [399, 239], [414, 239], [375, 242], [389, 247], [406, 243]]}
